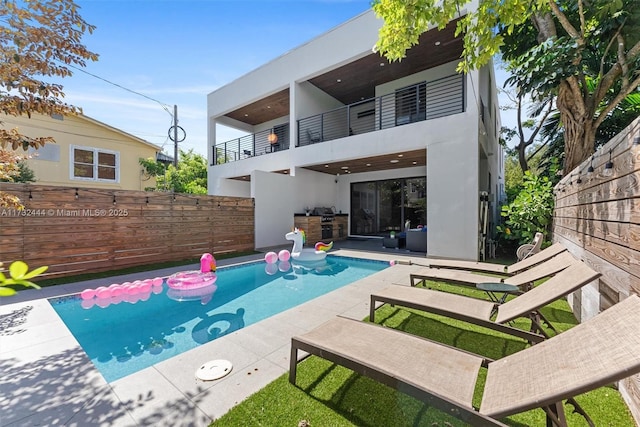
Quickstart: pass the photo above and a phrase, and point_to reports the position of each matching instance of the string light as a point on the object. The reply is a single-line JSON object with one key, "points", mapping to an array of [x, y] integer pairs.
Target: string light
{"points": [[590, 168], [608, 167], [635, 147], [30, 196], [76, 195], [114, 199]]}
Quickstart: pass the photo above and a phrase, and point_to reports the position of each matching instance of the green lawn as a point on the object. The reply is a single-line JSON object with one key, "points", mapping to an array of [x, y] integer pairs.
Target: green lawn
{"points": [[330, 395]]}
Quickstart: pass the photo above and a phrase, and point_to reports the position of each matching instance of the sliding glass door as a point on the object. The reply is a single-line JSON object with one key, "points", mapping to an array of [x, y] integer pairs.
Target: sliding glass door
{"points": [[378, 207]]}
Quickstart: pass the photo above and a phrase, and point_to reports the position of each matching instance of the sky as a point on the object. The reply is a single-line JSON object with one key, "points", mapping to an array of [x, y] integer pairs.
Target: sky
{"points": [[154, 54], [178, 51]]}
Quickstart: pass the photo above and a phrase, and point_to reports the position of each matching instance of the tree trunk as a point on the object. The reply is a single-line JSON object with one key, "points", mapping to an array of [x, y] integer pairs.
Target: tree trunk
{"points": [[522, 156], [579, 134]]}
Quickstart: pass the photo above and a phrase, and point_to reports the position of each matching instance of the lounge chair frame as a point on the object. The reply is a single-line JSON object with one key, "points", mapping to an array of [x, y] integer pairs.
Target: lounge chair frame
{"points": [[593, 354], [506, 270], [362, 367], [524, 279], [480, 312]]}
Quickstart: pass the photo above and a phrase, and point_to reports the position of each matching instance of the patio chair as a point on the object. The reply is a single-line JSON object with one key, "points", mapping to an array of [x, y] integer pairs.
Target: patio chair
{"points": [[480, 312], [528, 249], [507, 270], [595, 353], [522, 280]]}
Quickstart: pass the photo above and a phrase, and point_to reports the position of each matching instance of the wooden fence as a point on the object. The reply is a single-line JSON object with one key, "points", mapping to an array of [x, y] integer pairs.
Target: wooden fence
{"points": [[597, 216], [79, 230]]}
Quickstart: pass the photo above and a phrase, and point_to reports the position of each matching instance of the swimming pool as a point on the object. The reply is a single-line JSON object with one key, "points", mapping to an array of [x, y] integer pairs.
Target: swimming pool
{"points": [[135, 332]]}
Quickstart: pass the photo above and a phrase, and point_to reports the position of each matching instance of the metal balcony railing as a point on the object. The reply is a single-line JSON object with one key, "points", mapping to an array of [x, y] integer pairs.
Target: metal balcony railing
{"points": [[423, 101], [252, 145]]}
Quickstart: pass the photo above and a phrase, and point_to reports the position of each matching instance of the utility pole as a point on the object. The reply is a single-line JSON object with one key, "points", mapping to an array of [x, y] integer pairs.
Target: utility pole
{"points": [[175, 136]]}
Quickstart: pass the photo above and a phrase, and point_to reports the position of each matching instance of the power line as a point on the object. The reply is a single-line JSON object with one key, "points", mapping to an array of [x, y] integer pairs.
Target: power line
{"points": [[162, 104]]}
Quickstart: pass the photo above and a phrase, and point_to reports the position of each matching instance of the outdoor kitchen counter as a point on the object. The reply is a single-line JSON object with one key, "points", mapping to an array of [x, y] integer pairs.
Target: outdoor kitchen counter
{"points": [[319, 228]]}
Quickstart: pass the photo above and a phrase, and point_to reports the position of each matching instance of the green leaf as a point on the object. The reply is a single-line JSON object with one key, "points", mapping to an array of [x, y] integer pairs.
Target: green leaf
{"points": [[18, 269], [6, 292], [36, 272]]}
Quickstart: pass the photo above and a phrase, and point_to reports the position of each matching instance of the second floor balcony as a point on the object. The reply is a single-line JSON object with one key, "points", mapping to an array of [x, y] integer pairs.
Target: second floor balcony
{"points": [[423, 101]]}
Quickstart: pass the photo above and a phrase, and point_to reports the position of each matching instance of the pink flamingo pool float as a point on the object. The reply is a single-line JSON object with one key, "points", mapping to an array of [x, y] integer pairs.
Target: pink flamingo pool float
{"points": [[195, 279]]}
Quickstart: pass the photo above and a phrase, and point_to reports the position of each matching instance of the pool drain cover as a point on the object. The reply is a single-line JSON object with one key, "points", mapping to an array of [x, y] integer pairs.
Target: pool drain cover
{"points": [[213, 370]]}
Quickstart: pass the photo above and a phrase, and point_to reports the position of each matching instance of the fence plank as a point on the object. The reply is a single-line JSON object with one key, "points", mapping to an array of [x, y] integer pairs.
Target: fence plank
{"points": [[90, 232], [599, 222]]}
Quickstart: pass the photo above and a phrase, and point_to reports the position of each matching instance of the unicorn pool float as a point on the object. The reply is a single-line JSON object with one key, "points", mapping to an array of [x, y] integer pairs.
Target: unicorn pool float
{"points": [[298, 253], [195, 279]]}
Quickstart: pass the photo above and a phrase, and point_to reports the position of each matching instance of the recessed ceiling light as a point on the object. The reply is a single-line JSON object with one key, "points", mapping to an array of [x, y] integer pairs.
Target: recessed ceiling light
{"points": [[382, 64], [268, 106], [246, 115], [368, 164], [344, 167], [326, 166], [400, 155], [339, 80], [415, 163], [437, 43], [394, 161]]}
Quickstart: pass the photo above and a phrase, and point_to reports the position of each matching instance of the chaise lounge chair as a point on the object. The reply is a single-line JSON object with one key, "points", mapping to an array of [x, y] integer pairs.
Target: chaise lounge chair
{"points": [[480, 312], [507, 270], [595, 353], [523, 279]]}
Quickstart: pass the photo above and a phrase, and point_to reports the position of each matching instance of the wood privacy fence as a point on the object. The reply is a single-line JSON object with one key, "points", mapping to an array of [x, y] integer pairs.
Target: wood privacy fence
{"points": [[80, 230], [597, 216]]}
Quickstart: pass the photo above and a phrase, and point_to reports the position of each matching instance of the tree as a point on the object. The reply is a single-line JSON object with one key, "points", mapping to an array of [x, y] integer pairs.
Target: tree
{"points": [[568, 39], [39, 42], [526, 130], [190, 177]]}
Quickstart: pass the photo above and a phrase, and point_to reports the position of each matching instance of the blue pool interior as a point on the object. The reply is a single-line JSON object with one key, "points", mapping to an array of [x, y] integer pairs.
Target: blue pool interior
{"points": [[129, 333]]}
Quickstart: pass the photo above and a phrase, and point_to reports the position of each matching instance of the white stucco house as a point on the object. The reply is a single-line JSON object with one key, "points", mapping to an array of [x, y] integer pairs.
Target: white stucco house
{"points": [[333, 124]]}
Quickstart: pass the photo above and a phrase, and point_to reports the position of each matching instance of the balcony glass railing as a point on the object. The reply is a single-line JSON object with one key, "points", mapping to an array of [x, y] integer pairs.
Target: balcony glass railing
{"points": [[252, 145], [423, 101]]}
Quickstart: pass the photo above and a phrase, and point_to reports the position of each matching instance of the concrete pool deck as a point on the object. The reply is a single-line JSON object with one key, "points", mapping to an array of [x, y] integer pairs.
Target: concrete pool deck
{"points": [[47, 379]]}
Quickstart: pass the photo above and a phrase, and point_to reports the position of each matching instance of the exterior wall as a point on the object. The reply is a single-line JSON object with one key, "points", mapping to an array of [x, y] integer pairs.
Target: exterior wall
{"points": [[598, 220], [53, 165], [343, 44], [463, 155]]}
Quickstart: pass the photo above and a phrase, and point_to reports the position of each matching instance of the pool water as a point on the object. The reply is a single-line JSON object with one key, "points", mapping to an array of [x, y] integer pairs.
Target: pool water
{"points": [[126, 334]]}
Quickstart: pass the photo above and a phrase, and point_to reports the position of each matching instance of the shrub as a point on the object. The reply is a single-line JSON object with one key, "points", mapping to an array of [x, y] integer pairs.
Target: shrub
{"points": [[530, 212]]}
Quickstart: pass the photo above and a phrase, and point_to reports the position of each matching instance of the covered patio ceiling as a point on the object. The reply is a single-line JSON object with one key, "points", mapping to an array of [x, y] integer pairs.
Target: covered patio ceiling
{"points": [[405, 159], [357, 80]]}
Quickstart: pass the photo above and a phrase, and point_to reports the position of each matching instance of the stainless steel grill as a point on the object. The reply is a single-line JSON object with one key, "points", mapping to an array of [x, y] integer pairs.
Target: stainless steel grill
{"points": [[327, 214]]}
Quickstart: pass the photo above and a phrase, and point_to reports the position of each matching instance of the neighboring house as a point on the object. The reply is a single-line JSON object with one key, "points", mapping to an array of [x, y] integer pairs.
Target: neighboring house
{"points": [[86, 152], [332, 124]]}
